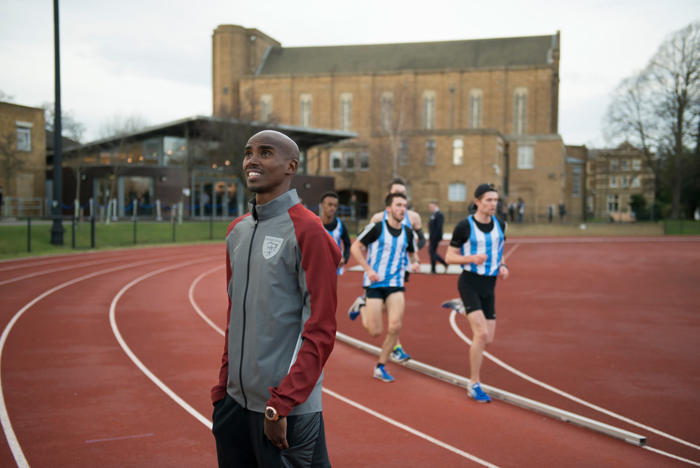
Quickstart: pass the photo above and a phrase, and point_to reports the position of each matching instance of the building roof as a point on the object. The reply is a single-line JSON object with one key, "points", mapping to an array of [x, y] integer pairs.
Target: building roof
{"points": [[304, 137], [479, 53]]}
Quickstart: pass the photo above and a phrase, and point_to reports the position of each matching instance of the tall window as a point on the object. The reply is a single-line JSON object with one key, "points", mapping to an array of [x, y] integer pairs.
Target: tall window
{"points": [[346, 111], [430, 152], [475, 97], [24, 136], [636, 164], [386, 104], [429, 110], [613, 203], [613, 181], [403, 152], [636, 183], [614, 164], [576, 182], [336, 161], [526, 156], [363, 160], [350, 161], [625, 165], [457, 151], [457, 192], [265, 107], [520, 111], [305, 110], [624, 182]]}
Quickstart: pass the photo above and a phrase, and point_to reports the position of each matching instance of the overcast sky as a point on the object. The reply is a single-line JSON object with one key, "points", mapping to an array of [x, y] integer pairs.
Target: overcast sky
{"points": [[152, 58]]}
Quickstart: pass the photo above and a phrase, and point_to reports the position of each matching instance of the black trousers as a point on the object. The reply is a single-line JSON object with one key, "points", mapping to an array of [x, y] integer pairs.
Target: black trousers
{"points": [[434, 256], [241, 442]]}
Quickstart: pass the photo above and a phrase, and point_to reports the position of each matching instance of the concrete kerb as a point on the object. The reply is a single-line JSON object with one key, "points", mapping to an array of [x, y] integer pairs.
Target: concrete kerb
{"points": [[508, 397]]}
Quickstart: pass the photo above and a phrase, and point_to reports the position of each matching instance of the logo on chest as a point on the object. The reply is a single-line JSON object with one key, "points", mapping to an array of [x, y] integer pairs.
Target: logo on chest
{"points": [[271, 245]]}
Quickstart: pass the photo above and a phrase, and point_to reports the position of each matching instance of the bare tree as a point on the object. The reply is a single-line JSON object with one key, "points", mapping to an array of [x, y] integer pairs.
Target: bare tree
{"points": [[393, 121], [70, 126], [658, 109]]}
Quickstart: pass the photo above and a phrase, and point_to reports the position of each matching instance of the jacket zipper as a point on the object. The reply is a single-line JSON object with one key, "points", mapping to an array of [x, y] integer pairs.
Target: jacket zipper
{"points": [[245, 296]]}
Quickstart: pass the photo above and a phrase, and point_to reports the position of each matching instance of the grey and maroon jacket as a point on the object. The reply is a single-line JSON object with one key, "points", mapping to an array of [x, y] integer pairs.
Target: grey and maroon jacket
{"points": [[281, 275]]}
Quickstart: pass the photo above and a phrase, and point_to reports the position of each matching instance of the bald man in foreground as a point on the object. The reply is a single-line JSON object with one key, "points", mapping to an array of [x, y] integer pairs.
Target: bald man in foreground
{"points": [[281, 278]]}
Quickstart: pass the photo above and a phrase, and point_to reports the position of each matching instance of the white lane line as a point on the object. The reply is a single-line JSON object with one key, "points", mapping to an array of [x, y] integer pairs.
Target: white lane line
{"points": [[117, 334], [460, 334], [69, 267], [9, 432], [28, 265], [199, 311], [346, 400], [408, 429], [670, 455]]}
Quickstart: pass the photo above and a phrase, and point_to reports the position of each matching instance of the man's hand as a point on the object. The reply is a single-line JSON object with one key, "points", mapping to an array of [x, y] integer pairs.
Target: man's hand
{"points": [[415, 267], [373, 276], [342, 261], [503, 272], [478, 259], [276, 432]]}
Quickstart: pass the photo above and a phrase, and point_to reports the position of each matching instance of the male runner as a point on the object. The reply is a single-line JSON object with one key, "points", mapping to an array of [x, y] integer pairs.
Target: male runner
{"points": [[387, 243], [477, 245], [412, 220], [334, 226]]}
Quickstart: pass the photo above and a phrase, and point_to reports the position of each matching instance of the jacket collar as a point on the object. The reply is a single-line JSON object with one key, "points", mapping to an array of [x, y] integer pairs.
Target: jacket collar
{"points": [[274, 207]]}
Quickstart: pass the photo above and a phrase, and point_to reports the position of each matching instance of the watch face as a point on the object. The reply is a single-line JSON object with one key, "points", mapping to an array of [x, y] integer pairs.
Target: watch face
{"points": [[270, 413]]}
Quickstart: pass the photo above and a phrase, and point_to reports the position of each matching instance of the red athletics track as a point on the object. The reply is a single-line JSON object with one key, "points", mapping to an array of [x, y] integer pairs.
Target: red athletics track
{"points": [[74, 397]]}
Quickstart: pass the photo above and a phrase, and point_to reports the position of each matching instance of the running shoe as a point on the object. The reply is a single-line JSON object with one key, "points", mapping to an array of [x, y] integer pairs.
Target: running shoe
{"points": [[381, 374], [478, 394], [455, 304], [399, 355], [354, 309]]}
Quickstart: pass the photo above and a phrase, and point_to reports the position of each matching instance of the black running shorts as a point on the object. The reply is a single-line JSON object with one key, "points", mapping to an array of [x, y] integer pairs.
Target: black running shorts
{"points": [[478, 293]]}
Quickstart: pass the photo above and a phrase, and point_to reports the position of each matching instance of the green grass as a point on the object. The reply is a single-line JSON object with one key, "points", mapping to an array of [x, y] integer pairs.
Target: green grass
{"points": [[13, 238], [681, 226]]}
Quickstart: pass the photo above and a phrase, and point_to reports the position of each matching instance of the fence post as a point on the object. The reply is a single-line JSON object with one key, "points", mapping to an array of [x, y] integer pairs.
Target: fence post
{"points": [[92, 232], [72, 233], [158, 212], [172, 220], [29, 234], [135, 230]]}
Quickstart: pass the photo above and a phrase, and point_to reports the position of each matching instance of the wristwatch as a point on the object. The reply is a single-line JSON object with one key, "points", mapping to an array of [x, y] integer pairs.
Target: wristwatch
{"points": [[271, 414]]}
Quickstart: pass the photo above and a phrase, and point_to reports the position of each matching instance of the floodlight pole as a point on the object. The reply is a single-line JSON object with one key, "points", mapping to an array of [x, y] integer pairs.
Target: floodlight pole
{"points": [[57, 226]]}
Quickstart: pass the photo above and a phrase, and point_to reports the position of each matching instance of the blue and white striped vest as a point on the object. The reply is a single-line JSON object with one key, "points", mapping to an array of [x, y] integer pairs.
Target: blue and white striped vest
{"points": [[337, 234], [388, 257], [480, 242]]}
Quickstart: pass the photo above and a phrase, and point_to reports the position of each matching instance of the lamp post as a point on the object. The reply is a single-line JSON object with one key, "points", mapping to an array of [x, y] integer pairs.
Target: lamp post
{"points": [[57, 226]]}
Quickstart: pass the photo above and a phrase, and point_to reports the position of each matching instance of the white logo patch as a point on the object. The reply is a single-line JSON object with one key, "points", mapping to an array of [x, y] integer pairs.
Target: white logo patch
{"points": [[271, 245]]}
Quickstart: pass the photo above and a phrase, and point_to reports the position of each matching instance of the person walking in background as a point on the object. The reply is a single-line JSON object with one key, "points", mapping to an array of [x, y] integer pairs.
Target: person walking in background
{"points": [[477, 245], [550, 213], [334, 226], [435, 226], [281, 281], [562, 211], [521, 209], [387, 243], [512, 207]]}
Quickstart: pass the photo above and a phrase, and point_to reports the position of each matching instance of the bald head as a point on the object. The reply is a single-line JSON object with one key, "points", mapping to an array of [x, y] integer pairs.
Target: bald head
{"points": [[282, 142]]}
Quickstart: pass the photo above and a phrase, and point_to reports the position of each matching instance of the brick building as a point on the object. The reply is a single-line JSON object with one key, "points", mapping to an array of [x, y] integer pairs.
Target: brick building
{"points": [[445, 115], [22, 159], [613, 176]]}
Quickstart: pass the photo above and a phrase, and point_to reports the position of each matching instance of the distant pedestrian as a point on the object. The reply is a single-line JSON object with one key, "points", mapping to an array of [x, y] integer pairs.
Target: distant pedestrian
{"points": [[562, 211], [550, 213], [511, 211], [521, 209], [437, 220], [334, 226]]}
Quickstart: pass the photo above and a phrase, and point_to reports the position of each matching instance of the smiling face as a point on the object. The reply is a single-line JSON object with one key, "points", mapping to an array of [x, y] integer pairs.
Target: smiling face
{"points": [[269, 162]]}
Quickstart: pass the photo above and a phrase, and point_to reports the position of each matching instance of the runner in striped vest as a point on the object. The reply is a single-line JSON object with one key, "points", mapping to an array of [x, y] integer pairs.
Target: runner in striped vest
{"points": [[477, 245], [334, 226], [387, 243]]}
